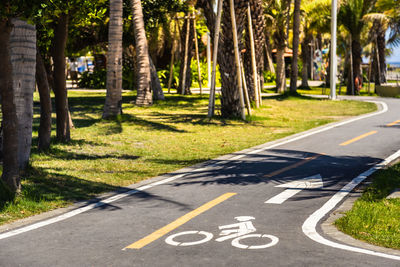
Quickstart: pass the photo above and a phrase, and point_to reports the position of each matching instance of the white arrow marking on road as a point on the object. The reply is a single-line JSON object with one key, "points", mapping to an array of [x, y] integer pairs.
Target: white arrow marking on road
{"points": [[295, 187]]}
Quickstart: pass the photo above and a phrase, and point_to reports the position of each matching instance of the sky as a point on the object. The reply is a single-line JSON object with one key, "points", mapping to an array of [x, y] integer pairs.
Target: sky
{"points": [[395, 57]]}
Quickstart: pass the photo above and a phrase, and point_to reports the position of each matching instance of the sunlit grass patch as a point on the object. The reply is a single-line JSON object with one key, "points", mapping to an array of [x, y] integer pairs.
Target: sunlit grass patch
{"points": [[374, 218]]}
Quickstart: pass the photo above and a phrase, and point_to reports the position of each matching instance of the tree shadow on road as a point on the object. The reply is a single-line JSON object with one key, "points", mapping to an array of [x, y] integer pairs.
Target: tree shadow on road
{"points": [[255, 169]]}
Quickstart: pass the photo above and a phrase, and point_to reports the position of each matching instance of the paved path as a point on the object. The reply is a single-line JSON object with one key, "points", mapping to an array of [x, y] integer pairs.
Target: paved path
{"points": [[259, 207]]}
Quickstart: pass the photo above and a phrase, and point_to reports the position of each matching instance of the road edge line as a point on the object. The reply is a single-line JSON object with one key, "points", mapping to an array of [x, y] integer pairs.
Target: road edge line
{"points": [[310, 224]]}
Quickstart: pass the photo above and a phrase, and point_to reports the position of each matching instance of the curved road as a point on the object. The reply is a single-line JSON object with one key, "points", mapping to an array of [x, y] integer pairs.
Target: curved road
{"points": [[258, 207]]}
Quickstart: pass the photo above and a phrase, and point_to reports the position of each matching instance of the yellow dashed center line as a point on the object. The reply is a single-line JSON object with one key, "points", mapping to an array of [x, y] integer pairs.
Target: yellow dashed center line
{"points": [[178, 222], [393, 123], [358, 138], [292, 166]]}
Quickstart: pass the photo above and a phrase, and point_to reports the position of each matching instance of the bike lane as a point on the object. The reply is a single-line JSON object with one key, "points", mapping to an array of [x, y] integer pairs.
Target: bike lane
{"points": [[97, 237]]}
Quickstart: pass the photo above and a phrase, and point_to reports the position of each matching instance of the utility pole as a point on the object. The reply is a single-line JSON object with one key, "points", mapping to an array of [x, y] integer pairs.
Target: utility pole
{"points": [[333, 49]]}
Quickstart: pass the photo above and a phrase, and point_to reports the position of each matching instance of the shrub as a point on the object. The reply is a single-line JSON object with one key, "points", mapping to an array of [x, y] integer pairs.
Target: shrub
{"points": [[93, 80], [269, 77]]}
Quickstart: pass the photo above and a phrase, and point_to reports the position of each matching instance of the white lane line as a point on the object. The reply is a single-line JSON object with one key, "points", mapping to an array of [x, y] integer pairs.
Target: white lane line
{"points": [[309, 226], [295, 187], [283, 196], [134, 191]]}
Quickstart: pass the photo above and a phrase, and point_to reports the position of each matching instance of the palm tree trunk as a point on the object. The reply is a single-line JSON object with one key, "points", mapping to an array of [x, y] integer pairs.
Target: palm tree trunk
{"points": [[60, 90], [356, 51], [144, 94], [45, 104], [296, 38], [268, 53], [230, 102], [158, 93], [113, 105], [305, 55], [10, 175], [23, 58], [381, 45], [280, 70]]}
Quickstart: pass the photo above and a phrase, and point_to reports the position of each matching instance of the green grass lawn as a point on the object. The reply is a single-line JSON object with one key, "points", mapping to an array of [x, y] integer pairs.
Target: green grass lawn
{"points": [[374, 218], [146, 142], [323, 90]]}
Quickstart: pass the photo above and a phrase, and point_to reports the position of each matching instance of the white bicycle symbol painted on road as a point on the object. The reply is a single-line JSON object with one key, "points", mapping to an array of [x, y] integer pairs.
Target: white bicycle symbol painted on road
{"points": [[237, 232]]}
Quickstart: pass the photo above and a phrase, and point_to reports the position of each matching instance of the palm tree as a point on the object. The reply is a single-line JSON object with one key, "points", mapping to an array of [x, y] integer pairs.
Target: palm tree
{"points": [[378, 40], [23, 58], [144, 91], [10, 175], [388, 18], [391, 9], [351, 17], [230, 103], [113, 103]]}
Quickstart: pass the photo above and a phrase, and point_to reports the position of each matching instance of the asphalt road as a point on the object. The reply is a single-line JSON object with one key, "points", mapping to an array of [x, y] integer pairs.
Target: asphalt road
{"points": [[251, 208]]}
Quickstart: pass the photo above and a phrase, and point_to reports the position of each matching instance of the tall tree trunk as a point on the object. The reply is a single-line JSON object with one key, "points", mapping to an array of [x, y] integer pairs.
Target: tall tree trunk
{"points": [[280, 70], [60, 89], [113, 105], [296, 37], [268, 53], [186, 33], [356, 51], [305, 55], [349, 71], [144, 94], [23, 58], [45, 104], [258, 22], [288, 17], [355, 72], [380, 73], [10, 174], [158, 93], [230, 102]]}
